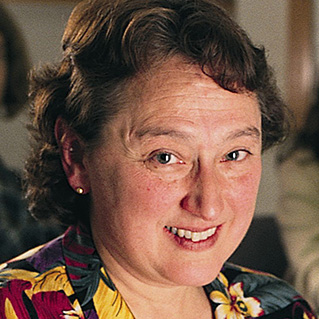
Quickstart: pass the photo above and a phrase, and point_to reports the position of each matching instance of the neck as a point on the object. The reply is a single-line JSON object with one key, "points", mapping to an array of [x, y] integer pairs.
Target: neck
{"points": [[147, 301], [152, 295], [156, 300]]}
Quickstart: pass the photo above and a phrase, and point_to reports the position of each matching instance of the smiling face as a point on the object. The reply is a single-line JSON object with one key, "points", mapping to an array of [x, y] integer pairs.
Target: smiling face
{"points": [[175, 180]]}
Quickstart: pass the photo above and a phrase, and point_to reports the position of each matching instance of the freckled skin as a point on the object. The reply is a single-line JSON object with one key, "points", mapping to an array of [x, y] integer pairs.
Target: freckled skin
{"points": [[183, 113]]}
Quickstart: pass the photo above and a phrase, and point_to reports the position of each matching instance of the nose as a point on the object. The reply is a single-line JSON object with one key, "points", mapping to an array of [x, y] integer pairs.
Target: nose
{"points": [[204, 197]]}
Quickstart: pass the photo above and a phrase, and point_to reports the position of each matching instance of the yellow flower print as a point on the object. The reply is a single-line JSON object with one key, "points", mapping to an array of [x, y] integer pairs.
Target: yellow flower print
{"points": [[308, 316], [234, 305]]}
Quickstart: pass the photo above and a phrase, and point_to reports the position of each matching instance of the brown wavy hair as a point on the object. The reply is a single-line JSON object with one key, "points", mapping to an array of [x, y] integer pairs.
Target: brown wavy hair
{"points": [[106, 43], [18, 64]]}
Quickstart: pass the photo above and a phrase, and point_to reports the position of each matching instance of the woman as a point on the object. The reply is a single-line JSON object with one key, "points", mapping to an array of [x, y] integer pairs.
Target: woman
{"points": [[299, 206], [148, 139]]}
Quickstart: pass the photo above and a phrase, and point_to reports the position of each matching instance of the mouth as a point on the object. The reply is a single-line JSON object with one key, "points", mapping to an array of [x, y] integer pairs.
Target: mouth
{"points": [[190, 235]]}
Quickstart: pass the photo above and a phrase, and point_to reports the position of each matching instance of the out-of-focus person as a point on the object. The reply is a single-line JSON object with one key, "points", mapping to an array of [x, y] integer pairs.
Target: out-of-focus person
{"points": [[18, 229], [14, 66], [299, 206]]}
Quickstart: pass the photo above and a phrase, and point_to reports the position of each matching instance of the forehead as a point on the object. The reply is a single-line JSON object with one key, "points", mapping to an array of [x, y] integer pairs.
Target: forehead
{"points": [[178, 89]]}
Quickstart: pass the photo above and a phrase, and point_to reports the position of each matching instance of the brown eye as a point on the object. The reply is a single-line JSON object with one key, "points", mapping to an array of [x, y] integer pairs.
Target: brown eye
{"points": [[167, 165], [238, 155], [163, 158], [233, 156]]}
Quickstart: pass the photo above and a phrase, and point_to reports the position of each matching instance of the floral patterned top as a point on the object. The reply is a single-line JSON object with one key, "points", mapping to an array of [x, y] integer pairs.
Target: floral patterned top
{"points": [[65, 279]]}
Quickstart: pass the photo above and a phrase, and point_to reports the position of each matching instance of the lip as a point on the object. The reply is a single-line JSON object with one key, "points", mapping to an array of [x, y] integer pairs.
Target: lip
{"points": [[193, 229], [195, 236], [200, 245]]}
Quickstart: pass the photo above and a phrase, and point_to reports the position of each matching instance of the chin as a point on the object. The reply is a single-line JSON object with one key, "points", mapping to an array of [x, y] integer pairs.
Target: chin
{"points": [[195, 276]]}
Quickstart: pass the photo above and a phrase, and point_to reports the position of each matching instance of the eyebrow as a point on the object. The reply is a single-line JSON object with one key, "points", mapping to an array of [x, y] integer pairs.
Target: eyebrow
{"points": [[249, 131], [158, 131]]}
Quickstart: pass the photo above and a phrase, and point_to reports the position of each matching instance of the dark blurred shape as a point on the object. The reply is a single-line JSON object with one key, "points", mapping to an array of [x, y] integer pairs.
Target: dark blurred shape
{"points": [[262, 248]]}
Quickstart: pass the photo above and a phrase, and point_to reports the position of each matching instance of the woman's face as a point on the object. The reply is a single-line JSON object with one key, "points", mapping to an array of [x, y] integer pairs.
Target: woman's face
{"points": [[174, 183]]}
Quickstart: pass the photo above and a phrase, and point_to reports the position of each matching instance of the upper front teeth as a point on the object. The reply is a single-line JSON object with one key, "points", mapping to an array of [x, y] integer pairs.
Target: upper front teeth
{"points": [[193, 236]]}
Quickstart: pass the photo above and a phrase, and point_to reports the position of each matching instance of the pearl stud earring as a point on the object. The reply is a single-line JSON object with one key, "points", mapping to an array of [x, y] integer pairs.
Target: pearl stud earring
{"points": [[80, 190]]}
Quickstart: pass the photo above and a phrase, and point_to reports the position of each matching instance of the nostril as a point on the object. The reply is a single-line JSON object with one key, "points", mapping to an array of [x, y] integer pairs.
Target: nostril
{"points": [[205, 206], [205, 197], [191, 204]]}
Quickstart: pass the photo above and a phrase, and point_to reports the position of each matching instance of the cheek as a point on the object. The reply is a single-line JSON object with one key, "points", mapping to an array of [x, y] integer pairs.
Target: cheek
{"points": [[151, 194], [243, 201], [244, 192], [132, 193]]}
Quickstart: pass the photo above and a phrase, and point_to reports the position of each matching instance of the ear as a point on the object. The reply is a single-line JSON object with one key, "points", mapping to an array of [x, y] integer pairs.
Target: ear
{"points": [[72, 157]]}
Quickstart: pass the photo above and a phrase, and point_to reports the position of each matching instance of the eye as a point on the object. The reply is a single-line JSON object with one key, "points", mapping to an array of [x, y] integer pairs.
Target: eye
{"points": [[168, 166], [166, 158], [237, 155]]}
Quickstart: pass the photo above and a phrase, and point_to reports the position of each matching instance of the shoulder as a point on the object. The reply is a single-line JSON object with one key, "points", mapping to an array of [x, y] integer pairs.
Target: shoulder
{"points": [[240, 292], [301, 160], [299, 174], [37, 284], [37, 260], [34, 275]]}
